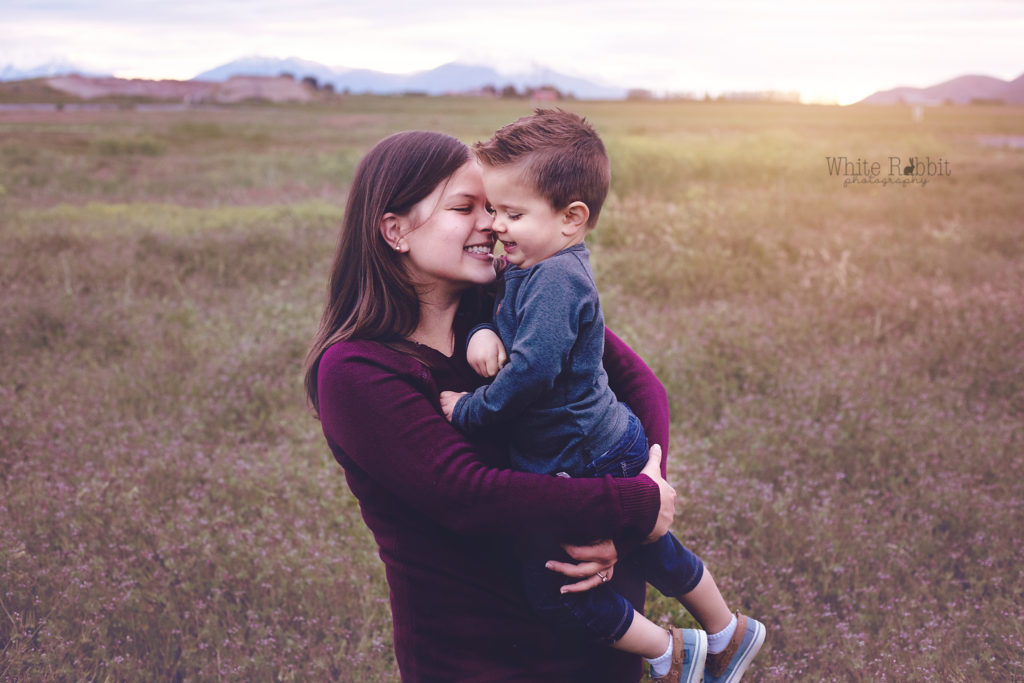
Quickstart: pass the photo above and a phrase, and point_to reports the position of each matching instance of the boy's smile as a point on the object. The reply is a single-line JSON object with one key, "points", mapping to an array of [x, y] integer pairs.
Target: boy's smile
{"points": [[525, 222]]}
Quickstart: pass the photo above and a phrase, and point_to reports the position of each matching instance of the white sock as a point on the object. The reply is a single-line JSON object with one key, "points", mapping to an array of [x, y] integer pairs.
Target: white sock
{"points": [[718, 641], [661, 665]]}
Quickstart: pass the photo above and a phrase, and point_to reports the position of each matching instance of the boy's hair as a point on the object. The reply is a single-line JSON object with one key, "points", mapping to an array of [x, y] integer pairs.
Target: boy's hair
{"points": [[562, 156]]}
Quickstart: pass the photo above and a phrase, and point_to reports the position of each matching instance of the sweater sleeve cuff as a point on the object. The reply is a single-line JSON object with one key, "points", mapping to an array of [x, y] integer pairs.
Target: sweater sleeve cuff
{"points": [[641, 502]]}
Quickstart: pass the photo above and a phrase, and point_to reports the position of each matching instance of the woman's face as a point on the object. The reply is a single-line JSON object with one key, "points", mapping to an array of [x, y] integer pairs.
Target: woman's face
{"points": [[449, 236]]}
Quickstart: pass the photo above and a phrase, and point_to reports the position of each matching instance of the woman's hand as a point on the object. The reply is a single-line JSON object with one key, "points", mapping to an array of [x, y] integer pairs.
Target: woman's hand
{"points": [[668, 495], [595, 565]]}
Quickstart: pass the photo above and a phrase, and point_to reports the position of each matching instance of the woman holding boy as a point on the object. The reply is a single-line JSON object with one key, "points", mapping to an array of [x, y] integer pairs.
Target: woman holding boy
{"points": [[409, 280]]}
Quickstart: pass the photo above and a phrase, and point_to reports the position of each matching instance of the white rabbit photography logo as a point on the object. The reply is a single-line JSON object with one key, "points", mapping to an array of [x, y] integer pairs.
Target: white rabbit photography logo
{"points": [[895, 171]]}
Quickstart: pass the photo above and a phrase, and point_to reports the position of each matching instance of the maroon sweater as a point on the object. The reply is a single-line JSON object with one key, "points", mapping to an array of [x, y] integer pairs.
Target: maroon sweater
{"points": [[444, 513]]}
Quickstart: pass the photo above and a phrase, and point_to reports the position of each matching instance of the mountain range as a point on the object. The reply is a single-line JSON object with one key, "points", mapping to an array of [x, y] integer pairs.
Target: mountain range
{"points": [[961, 90], [447, 78], [457, 77]]}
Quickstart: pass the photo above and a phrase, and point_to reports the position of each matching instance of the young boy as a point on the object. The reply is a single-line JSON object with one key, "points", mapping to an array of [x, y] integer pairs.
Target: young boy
{"points": [[546, 177]]}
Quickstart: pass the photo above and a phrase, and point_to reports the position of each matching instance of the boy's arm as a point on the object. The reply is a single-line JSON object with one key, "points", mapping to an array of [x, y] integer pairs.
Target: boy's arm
{"points": [[550, 307], [482, 326], [448, 401]]}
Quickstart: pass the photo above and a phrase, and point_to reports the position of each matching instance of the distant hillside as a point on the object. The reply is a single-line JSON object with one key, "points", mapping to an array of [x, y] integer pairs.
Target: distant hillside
{"points": [[32, 91], [234, 89], [453, 77], [962, 90]]}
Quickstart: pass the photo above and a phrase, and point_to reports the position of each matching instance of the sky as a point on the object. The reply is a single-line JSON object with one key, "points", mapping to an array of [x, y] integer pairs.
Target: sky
{"points": [[828, 50]]}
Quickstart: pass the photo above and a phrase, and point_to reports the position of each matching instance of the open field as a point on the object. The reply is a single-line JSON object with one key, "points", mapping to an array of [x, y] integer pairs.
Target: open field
{"points": [[846, 366]]}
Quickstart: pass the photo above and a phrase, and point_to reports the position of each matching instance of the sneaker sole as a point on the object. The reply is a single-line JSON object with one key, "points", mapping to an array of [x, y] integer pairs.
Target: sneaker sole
{"points": [[747, 654]]}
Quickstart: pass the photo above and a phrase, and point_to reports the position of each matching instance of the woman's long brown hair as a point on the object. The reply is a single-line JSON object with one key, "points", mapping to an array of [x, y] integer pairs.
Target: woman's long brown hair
{"points": [[370, 295]]}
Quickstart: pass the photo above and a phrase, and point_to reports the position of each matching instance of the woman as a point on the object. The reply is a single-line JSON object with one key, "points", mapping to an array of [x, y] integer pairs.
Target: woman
{"points": [[408, 281]]}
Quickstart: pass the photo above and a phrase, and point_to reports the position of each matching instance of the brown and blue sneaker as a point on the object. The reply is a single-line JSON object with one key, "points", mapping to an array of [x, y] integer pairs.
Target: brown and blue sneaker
{"points": [[689, 648], [729, 665]]}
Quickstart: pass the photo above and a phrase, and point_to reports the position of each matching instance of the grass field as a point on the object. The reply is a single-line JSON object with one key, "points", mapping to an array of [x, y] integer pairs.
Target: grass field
{"points": [[845, 364]]}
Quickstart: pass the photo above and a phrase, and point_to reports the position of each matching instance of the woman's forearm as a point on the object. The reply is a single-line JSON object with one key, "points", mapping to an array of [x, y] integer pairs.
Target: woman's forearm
{"points": [[388, 426], [636, 385]]}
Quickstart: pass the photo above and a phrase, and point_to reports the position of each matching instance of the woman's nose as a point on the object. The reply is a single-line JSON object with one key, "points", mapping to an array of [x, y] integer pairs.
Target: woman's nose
{"points": [[485, 222]]}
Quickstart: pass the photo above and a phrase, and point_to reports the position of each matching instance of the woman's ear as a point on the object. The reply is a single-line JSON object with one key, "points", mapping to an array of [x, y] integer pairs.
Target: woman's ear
{"points": [[574, 218], [391, 231]]}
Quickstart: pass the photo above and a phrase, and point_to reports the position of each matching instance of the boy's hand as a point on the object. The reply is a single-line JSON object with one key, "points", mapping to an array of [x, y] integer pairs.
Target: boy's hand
{"points": [[448, 401], [486, 353]]}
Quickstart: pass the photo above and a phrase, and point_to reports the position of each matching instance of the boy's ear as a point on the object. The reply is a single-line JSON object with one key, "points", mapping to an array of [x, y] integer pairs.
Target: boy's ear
{"points": [[574, 218], [391, 231]]}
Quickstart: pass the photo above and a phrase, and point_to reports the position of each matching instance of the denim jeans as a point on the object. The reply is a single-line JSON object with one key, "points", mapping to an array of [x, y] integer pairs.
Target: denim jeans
{"points": [[601, 614]]}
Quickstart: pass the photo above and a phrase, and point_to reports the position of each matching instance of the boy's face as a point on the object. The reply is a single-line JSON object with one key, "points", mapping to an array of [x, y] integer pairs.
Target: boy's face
{"points": [[525, 222]]}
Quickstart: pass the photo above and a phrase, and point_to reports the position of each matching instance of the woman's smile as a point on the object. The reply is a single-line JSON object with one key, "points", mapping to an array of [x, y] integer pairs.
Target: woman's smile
{"points": [[482, 251]]}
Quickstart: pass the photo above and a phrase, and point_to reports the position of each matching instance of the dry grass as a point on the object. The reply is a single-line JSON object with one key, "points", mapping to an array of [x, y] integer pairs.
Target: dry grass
{"points": [[846, 367]]}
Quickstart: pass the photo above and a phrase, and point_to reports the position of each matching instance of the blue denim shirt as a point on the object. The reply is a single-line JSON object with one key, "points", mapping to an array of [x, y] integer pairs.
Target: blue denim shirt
{"points": [[554, 389]]}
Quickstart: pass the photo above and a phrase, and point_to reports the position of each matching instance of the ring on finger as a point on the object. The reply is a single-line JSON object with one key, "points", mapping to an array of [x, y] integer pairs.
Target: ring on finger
{"points": [[603, 577]]}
